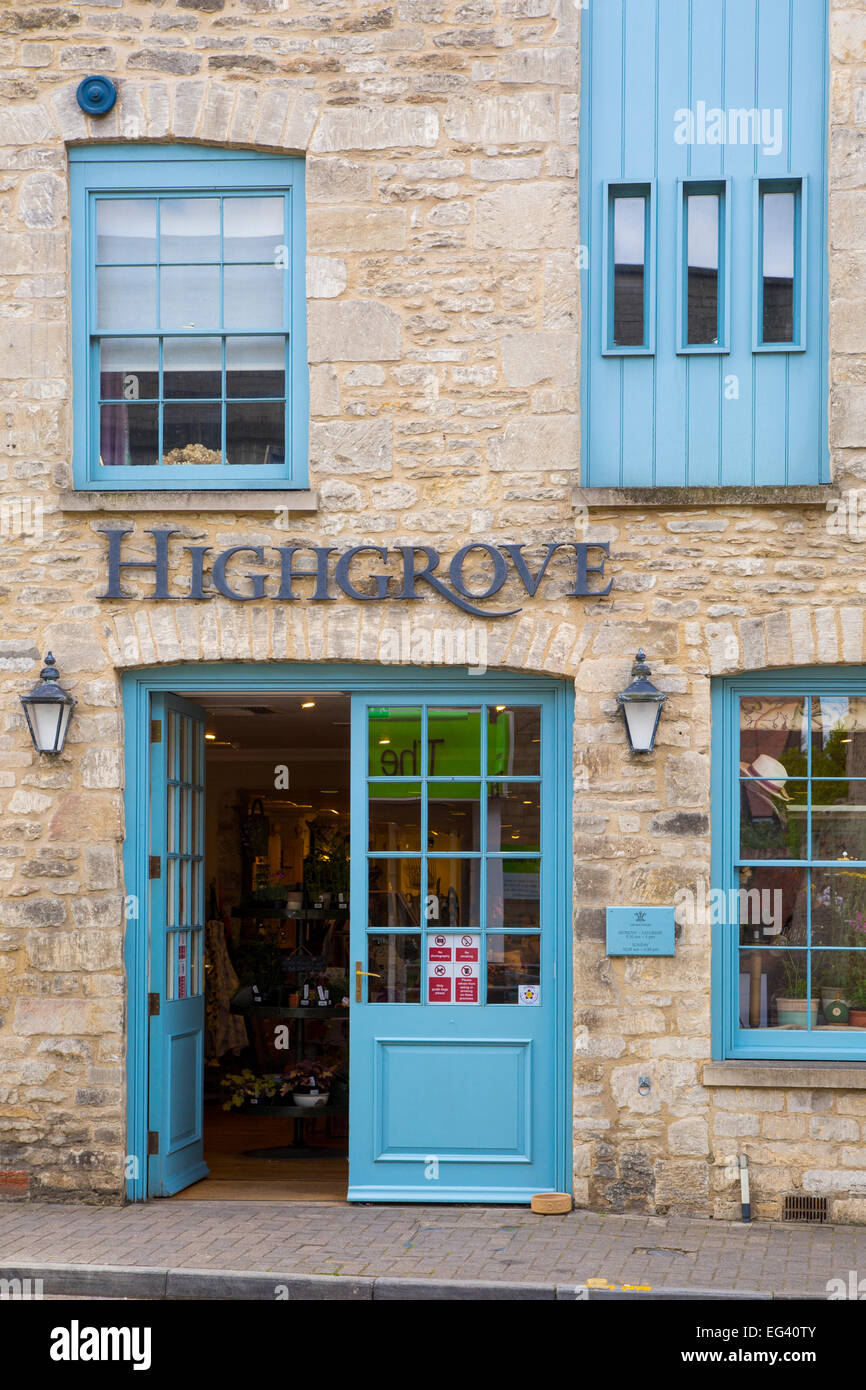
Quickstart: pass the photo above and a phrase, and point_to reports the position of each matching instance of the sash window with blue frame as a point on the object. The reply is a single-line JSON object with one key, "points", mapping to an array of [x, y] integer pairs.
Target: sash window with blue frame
{"points": [[789, 924], [189, 318]]}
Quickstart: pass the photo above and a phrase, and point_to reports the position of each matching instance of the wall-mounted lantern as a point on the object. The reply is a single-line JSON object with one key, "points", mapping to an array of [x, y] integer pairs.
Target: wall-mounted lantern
{"points": [[48, 708], [641, 706]]}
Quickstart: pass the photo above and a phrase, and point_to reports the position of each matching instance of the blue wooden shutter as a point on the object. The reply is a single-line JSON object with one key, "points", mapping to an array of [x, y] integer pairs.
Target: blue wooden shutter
{"points": [[737, 412]]}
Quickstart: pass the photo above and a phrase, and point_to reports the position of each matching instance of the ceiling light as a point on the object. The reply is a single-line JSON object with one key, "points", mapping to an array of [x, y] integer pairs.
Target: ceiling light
{"points": [[210, 737], [500, 707], [308, 704]]}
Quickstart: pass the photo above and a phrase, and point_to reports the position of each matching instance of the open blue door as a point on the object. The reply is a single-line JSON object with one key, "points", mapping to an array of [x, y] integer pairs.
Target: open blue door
{"points": [[176, 999], [458, 893]]}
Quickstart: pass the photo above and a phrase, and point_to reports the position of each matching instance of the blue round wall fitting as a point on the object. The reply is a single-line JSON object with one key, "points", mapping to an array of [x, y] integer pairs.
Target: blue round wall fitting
{"points": [[96, 95]]}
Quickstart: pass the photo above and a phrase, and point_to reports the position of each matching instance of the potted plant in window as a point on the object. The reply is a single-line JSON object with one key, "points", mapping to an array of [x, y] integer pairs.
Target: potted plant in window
{"points": [[857, 1005], [309, 1084], [246, 1091], [793, 1009]]}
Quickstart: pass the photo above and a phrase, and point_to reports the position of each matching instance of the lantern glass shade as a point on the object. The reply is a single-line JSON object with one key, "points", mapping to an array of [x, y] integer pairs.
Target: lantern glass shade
{"points": [[641, 706], [641, 721], [48, 709]]}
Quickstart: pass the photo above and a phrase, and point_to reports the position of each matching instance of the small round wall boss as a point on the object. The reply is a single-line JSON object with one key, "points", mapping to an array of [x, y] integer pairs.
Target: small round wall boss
{"points": [[96, 95]]}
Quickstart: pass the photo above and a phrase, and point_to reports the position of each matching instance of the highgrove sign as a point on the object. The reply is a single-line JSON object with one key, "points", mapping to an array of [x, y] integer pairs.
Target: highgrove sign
{"points": [[397, 573]]}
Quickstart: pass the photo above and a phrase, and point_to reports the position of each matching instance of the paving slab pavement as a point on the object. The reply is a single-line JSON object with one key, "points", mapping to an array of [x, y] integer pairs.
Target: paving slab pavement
{"points": [[170, 1248]]}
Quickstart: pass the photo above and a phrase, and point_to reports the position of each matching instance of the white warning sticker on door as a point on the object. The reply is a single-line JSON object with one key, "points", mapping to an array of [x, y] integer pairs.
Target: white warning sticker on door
{"points": [[453, 968], [466, 969], [440, 969]]}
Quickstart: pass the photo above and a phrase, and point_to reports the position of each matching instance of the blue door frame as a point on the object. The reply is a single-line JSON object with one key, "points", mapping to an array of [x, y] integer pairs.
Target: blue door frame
{"points": [[392, 683]]}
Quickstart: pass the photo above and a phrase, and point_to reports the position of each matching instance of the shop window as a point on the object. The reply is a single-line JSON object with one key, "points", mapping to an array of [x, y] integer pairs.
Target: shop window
{"points": [[189, 318], [704, 193], [788, 908]]}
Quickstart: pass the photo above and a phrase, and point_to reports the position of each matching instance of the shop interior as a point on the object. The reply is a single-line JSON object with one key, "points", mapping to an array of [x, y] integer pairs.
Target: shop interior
{"points": [[276, 957]]}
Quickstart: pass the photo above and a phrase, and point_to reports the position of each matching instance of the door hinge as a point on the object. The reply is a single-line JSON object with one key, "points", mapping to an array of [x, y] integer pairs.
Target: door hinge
{"points": [[155, 869], [153, 1006], [156, 731], [153, 1141]]}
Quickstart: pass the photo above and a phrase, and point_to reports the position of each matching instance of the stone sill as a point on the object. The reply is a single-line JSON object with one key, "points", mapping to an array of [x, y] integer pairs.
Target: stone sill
{"points": [[238, 500], [815, 1076], [807, 496]]}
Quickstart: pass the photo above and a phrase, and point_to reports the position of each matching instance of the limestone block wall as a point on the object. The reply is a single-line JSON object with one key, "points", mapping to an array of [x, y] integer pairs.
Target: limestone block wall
{"points": [[444, 308]]}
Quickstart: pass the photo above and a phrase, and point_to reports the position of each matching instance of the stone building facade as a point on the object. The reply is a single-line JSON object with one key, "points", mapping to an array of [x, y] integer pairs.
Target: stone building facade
{"points": [[441, 142]]}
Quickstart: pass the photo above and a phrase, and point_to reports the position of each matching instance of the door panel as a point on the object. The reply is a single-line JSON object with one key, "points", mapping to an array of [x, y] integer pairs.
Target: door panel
{"points": [[454, 904], [177, 828]]}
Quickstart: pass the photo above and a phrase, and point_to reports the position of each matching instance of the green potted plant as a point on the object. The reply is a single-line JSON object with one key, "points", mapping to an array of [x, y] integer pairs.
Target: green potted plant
{"points": [[247, 1091], [793, 1009], [857, 1005]]}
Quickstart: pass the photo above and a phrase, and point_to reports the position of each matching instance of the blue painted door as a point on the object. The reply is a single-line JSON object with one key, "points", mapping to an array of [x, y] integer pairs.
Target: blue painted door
{"points": [[455, 1091], [176, 905]]}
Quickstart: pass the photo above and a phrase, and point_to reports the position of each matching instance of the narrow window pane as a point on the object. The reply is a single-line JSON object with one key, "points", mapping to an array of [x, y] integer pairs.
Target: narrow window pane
{"points": [[773, 988], [125, 298], [395, 816], [454, 742], [191, 435], [126, 231], [256, 434], [189, 229], [256, 367], [513, 967], [702, 226], [513, 893], [838, 908], [773, 726], [253, 229], [773, 813], [129, 369], [394, 733], [394, 891], [629, 271], [254, 297], [778, 212], [128, 435], [189, 297], [768, 907], [514, 739], [453, 816], [192, 367], [454, 884], [394, 963], [839, 737], [839, 820], [839, 977], [513, 816]]}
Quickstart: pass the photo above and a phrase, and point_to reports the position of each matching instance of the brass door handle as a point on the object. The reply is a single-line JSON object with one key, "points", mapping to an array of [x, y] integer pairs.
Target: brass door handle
{"points": [[358, 973]]}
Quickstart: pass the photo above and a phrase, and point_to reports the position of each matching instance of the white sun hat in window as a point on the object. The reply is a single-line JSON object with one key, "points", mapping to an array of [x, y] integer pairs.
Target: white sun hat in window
{"points": [[773, 776]]}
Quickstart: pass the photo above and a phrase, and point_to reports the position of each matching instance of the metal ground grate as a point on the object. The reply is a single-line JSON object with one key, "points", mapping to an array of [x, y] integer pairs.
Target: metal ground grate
{"points": [[800, 1208]]}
